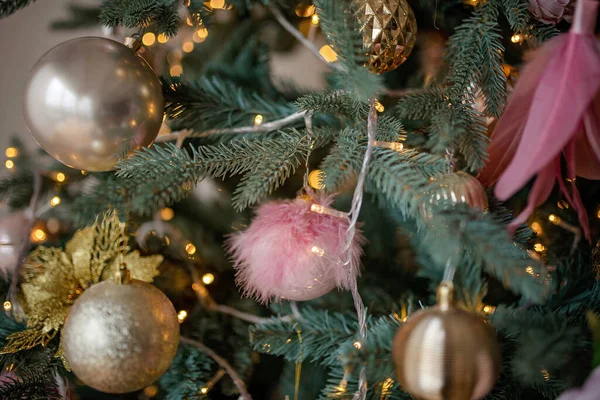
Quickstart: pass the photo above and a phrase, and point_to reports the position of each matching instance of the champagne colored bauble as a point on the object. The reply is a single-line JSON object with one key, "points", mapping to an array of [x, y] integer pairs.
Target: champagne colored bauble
{"points": [[444, 353], [119, 338], [13, 231], [389, 30], [91, 101], [451, 190]]}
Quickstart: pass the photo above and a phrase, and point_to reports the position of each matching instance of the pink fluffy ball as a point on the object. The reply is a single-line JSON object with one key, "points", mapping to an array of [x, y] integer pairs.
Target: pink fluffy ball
{"points": [[273, 258]]}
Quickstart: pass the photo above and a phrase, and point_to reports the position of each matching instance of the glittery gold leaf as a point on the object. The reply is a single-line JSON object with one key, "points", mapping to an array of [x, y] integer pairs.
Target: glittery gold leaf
{"points": [[93, 248], [26, 340], [49, 288], [141, 268], [60, 354]]}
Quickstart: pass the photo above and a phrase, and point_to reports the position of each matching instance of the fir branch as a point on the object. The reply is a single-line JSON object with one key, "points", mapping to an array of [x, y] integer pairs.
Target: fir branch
{"points": [[239, 383], [163, 14], [421, 104], [474, 53], [486, 243], [517, 13], [270, 172], [34, 379], [8, 7], [399, 178], [165, 174], [335, 102], [339, 24], [209, 103], [322, 333], [544, 341], [17, 188], [189, 372], [30, 387], [343, 160]]}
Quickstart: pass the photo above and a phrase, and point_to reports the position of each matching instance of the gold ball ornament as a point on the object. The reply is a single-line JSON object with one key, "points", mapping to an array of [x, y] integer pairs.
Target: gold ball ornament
{"points": [[389, 30], [91, 101], [444, 353], [453, 189], [119, 338]]}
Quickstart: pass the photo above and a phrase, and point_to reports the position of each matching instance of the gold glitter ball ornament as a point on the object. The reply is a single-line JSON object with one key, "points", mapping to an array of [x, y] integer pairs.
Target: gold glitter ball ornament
{"points": [[119, 338], [389, 30], [445, 353], [451, 190]]}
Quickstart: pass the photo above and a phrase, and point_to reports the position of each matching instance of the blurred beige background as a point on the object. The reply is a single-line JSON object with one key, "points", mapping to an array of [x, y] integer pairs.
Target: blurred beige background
{"points": [[24, 37]]}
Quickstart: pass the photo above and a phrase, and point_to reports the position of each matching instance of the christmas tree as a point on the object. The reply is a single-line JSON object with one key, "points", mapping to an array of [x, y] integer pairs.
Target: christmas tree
{"points": [[413, 230]]}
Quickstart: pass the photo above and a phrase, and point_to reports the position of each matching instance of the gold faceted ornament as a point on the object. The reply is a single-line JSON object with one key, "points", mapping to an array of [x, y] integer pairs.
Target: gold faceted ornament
{"points": [[445, 353], [453, 189], [389, 30], [120, 336], [54, 278]]}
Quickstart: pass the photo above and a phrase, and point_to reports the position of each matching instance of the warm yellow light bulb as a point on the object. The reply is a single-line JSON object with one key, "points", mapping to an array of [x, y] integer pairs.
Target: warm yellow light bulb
{"points": [[167, 214], [11, 152], [60, 177], [315, 179], [190, 249], [38, 235], [151, 391], [516, 38], [148, 39], [258, 120], [162, 38], [176, 70], [7, 306], [202, 33], [539, 247], [9, 164], [188, 47], [55, 201], [217, 3], [554, 219], [181, 316], [315, 19], [537, 228], [204, 390], [529, 270], [305, 10], [357, 345], [208, 278], [328, 53], [379, 107], [316, 250]]}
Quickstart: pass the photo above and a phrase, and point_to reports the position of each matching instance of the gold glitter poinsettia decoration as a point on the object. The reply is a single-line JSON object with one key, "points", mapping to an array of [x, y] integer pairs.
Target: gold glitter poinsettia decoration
{"points": [[53, 278]]}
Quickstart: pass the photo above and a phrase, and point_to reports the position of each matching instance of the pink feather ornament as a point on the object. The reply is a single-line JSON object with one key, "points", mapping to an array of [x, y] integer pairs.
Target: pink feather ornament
{"points": [[274, 258], [553, 113]]}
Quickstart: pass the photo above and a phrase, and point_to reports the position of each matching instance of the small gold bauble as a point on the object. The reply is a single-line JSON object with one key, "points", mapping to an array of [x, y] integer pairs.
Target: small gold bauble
{"points": [[119, 338], [389, 31], [444, 353], [452, 189]]}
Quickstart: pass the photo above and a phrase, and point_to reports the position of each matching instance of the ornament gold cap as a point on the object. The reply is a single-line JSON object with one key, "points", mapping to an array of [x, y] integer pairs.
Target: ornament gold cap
{"points": [[445, 295], [133, 42], [122, 276]]}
